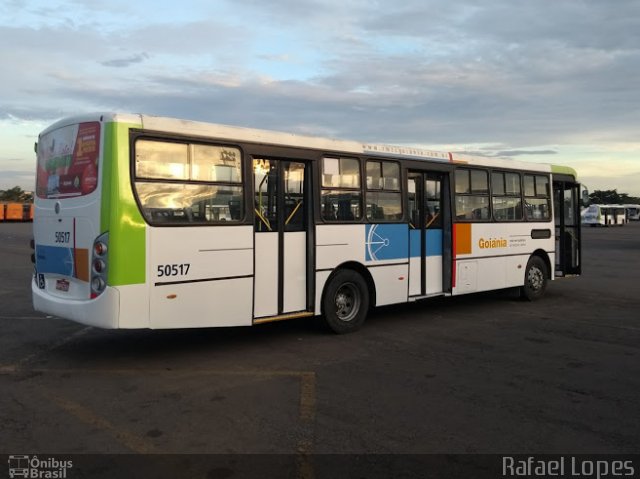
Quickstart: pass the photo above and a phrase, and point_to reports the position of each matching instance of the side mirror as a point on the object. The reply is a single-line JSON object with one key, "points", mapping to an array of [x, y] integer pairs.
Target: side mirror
{"points": [[585, 197]]}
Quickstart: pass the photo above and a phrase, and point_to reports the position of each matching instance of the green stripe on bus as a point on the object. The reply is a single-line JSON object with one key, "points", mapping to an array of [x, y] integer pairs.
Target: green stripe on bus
{"points": [[120, 214], [564, 170]]}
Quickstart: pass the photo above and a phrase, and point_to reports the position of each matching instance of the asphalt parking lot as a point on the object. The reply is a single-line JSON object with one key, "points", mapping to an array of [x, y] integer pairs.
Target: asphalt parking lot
{"points": [[485, 373]]}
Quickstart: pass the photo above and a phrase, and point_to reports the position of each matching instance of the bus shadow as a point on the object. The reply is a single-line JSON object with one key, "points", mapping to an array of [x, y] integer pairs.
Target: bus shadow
{"points": [[127, 346]]}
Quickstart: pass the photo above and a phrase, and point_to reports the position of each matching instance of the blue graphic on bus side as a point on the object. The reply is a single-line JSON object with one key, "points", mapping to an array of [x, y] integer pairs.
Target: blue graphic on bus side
{"points": [[387, 241], [433, 242]]}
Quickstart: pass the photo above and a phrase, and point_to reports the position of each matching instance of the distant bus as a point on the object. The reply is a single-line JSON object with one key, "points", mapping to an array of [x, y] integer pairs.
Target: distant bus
{"points": [[632, 212], [148, 222], [16, 211], [604, 215], [13, 212]]}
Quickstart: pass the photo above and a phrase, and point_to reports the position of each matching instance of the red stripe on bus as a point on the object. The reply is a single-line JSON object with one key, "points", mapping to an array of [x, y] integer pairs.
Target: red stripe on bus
{"points": [[75, 259], [453, 256]]}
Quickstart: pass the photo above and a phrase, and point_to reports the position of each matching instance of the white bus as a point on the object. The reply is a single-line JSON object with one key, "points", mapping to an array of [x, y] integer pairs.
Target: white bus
{"points": [[632, 212], [604, 215], [149, 222]]}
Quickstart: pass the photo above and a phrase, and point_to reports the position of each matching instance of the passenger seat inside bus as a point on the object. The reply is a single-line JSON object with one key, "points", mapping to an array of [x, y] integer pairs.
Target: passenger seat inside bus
{"points": [[344, 210]]}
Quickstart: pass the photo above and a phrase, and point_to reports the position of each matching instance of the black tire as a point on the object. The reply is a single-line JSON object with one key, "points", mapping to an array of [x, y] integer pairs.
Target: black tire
{"points": [[345, 302], [535, 279]]}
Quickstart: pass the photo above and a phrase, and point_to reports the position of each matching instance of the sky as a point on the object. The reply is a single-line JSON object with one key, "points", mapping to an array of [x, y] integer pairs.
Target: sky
{"points": [[553, 81]]}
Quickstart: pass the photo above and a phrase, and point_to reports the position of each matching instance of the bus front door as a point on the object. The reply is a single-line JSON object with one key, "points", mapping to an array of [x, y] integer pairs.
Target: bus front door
{"points": [[282, 216], [427, 218], [567, 223]]}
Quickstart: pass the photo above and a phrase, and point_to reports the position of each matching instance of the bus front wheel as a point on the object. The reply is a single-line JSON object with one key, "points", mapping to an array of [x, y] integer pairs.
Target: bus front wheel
{"points": [[345, 302], [535, 279]]}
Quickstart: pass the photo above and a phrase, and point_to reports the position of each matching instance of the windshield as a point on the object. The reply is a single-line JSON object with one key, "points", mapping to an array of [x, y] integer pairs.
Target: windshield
{"points": [[68, 161]]}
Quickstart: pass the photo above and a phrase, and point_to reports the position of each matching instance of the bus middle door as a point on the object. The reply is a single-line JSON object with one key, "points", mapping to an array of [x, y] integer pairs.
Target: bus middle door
{"points": [[426, 215], [281, 239]]}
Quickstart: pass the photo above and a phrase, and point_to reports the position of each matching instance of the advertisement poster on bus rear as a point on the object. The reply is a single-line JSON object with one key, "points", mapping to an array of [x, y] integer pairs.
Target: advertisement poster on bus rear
{"points": [[68, 161]]}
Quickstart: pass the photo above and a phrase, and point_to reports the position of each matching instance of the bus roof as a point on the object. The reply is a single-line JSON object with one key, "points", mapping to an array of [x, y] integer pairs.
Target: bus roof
{"points": [[213, 130]]}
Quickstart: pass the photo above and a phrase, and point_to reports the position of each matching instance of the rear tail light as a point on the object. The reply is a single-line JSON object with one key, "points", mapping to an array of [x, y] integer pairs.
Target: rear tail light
{"points": [[99, 262], [99, 266], [97, 284], [99, 248]]}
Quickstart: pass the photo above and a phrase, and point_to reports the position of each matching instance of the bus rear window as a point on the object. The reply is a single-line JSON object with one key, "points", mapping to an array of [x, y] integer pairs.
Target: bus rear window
{"points": [[68, 161]]}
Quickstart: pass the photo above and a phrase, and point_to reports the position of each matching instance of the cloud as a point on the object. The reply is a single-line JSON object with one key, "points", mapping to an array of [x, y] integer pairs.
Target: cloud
{"points": [[626, 183], [525, 152], [282, 57], [125, 62], [24, 179]]}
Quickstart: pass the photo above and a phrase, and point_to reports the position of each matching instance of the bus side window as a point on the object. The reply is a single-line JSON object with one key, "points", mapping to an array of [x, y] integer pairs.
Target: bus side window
{"points": [[179, 182], [472, 195], [341, 189]]}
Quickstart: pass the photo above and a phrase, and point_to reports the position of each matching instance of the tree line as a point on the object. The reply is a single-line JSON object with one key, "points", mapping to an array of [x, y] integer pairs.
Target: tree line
{"points": [[16, 194], [612, 197]]}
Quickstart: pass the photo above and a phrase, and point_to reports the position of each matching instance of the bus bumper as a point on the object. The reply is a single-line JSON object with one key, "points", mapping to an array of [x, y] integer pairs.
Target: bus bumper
{"points": [[101, 312]]}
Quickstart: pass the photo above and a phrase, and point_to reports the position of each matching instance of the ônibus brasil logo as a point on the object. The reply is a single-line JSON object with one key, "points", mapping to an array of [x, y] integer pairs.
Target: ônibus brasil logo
{"points": [[33, 467]]}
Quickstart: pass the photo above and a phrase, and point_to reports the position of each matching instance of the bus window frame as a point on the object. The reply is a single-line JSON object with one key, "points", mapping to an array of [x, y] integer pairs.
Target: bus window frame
{"points": [[505, 195], [548, 196], [400, 191], [135, 135], [321, 188], [455, 194]]}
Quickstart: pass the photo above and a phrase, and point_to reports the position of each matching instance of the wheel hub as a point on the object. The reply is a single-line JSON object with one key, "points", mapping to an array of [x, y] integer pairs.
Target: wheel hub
{"points": [[536, 279], [346, 300]]}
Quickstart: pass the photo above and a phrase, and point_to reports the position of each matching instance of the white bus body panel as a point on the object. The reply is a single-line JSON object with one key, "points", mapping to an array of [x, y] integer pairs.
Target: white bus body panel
{"points": [[337, 244], [434, 275], [217, 290], [499, 255], [321, 281], [391, 283], [295, 271], [415, 275], [266, 275], [100, 312], [134, 300], [202, 304]]}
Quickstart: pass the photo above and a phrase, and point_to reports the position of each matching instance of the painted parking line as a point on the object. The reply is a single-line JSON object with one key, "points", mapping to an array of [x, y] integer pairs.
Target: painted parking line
{"points": [[306, 403], [89, 417], [21, 363], [304, 463], [307, 396]]}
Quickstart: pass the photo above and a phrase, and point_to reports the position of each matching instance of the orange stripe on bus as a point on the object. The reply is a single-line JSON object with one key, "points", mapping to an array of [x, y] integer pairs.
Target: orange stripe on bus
{"points": [[82, 263], [463, 238]]}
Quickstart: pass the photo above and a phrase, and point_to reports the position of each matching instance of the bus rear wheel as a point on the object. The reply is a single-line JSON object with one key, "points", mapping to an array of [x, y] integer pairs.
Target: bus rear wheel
{"points": [[535, 279], [345, 302]]}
